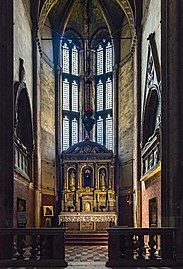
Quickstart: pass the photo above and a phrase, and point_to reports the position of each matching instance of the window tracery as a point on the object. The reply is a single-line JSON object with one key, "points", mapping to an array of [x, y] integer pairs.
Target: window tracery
{"points": [[104, 94], [70, 93]]}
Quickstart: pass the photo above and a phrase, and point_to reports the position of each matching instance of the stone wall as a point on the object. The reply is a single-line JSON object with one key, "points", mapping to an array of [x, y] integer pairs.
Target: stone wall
{"points": [[23, 188], [125, 136], [151, 23], [23, 43], [48, 130], [125, 120], [125, 40], [47, 43], [47, 112], [48, 178]]}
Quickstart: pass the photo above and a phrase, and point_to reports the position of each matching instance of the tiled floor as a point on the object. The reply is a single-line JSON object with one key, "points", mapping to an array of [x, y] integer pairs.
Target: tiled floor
{"points": [[91, 257], [86, 256], [86, 253]]}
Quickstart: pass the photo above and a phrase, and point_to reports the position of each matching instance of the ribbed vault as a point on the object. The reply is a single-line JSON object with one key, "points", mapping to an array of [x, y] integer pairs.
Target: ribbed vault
{"points": [[110, 14]]}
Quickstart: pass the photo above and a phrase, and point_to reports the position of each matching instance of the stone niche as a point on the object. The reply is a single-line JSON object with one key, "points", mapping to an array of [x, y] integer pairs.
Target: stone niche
{"points": [[88, 194]]}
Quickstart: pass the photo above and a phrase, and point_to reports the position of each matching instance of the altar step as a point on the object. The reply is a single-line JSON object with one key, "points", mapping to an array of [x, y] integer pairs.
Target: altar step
{"points": [[84, 238]]}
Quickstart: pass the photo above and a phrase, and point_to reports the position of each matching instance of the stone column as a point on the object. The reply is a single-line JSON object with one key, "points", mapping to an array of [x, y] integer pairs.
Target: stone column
{"points": [[115, 107], [6, 114], [79, 176], [37, 128], [137, 218], [110, 176], [96, 176], [65, 178], [172, 118], [58, 121]]}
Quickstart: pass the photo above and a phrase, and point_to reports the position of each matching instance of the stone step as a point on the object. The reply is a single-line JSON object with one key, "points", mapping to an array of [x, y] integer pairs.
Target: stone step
{"points": [[84, 238]]}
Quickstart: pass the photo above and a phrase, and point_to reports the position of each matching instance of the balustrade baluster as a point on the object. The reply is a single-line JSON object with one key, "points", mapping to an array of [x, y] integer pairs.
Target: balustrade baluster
{"points": [[140, 248], [34, 247], [128, 247], [46, 250], [152, 244], [21, 246], [15, 251]]}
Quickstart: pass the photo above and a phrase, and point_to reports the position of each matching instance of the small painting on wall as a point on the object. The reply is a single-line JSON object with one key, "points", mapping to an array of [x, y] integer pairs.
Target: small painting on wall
{"points": [[48, 211]]}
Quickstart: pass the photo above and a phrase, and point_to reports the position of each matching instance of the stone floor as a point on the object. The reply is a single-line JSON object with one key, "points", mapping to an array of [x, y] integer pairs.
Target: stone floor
{"points": [[91, 257], [86, 255]]}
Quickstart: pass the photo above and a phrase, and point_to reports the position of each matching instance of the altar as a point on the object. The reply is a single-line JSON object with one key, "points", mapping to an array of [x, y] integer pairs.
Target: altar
{"points": [[81, 221], [88, 198]]}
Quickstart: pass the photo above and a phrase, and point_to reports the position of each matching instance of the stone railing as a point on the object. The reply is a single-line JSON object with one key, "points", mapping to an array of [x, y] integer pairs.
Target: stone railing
{"points": [[141, 247], [29, 247]]}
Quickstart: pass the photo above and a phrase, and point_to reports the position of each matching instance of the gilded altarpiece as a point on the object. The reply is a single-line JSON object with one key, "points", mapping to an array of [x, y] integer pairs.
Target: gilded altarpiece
{"points": [[88, 196]]}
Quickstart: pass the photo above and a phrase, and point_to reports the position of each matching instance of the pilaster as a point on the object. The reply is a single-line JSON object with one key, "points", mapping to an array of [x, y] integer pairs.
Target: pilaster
{"points": [[6, 114], [172, 118]]}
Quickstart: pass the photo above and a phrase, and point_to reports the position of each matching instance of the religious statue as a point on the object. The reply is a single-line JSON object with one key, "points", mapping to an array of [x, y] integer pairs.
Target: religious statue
{"points": [[87, 207], [88, 121], [87, 178], [156, 155], [72, 181], [102, 180]]}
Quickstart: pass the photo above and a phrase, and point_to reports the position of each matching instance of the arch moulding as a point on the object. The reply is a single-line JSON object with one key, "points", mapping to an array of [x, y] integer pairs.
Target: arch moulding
{"points": [[124, 4]]}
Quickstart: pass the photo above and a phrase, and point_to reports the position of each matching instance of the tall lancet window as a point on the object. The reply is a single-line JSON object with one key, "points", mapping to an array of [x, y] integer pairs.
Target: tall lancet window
{"points": [[108, 58], [104, 94], [70, 93], [75, 66], [100, 59], [65, 58], [100, 96]]}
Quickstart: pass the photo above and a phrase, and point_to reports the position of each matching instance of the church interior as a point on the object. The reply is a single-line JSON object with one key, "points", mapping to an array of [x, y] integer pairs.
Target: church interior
{"points": [[91, 118]]}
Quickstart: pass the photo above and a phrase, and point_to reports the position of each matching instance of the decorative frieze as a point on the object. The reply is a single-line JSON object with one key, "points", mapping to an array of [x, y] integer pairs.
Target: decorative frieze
{"points": [[88, 217]]}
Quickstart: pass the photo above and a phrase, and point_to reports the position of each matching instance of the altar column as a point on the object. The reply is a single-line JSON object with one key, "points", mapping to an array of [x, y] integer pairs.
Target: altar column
{"points": [[79, 177], [96, 177]]}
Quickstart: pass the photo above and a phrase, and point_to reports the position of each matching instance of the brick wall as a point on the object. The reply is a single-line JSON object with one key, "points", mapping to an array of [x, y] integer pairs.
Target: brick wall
{"points": [[24, 190], [150, 190], [49, 200]]}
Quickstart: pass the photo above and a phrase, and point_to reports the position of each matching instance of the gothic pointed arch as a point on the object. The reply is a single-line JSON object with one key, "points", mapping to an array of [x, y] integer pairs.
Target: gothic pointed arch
{"points": [[151, 133], [124, 4], [23, 116], [152, 114]]}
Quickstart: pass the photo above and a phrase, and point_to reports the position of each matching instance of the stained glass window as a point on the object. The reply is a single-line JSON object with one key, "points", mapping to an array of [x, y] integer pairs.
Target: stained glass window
{"points": [[74, 131], [109, 132], [65, 58], [74, 96], [108, 58], [70, 93], [104, 93], [65, 133], [100, 96], [100, 130], [66, 96], [100, 60], [108, 95], [74, 61]]}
